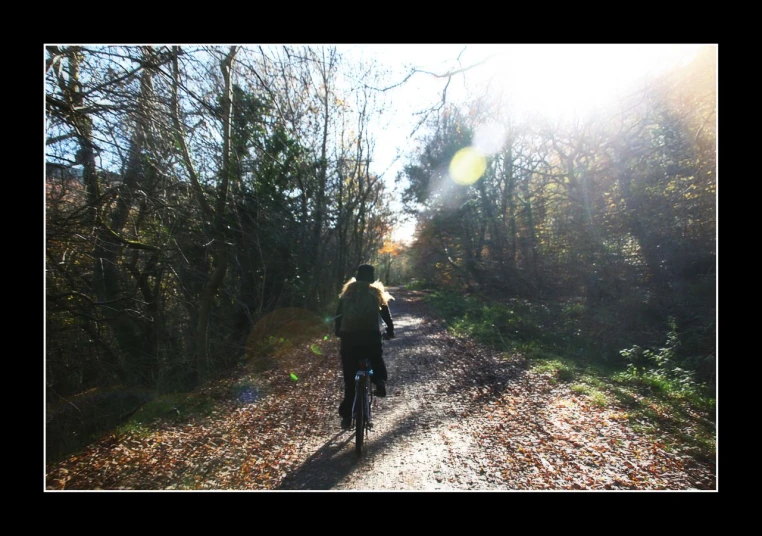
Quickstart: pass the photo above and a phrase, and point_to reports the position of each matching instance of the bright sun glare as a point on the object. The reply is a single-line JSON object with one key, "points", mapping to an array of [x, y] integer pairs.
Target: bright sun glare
{"points": [[556, 81], [563, 80]]}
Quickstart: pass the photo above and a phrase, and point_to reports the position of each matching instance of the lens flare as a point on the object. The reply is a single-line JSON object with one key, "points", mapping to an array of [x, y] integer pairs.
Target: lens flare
{"points": [[467, 166], [277, 333]]}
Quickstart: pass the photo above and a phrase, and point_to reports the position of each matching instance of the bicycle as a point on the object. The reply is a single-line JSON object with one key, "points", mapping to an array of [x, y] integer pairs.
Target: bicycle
{"points": [[361, 405]]}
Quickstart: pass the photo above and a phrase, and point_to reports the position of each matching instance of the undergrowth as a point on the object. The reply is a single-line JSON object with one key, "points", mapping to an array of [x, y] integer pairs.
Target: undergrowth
{"points": [[569, 344]]}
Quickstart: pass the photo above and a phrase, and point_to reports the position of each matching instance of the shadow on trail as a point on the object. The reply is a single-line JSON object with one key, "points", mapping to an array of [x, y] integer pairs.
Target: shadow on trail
{"points": [[428, 368], [326, 467], [337, 458]]}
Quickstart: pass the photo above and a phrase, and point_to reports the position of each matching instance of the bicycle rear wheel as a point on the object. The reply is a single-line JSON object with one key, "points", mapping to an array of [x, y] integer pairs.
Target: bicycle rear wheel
{"points": [[361, 416]]}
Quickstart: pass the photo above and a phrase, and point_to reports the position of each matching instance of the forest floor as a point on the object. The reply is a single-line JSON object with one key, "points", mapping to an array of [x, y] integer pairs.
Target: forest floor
{"points": [[458, 416]]}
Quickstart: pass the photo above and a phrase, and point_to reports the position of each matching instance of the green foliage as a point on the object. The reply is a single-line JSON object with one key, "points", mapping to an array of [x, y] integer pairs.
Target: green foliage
{"points": [[574, 329], [173, 407], [511, 323], [551, 364], [565, 375], [660, 366], [659, 396], [596, 397], [573, 309], [420, 284], [686, 411]]}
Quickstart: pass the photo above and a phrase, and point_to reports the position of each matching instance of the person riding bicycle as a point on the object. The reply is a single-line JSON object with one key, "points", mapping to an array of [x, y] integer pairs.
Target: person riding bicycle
{"points": [[361, 302]]}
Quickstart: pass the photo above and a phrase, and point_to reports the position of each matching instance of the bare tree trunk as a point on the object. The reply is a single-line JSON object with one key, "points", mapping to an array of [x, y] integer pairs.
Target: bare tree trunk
{"points": [[219, 252], [316, 253], [105, 280]]}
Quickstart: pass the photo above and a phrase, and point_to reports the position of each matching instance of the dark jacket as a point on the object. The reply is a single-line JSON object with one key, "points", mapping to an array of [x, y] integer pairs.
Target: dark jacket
{"points": [[385, 314]]}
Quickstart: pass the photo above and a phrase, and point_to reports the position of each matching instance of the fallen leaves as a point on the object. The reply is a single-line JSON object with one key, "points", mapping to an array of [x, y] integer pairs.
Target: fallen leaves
{"points": [[585, 448], [526, 431], [243, 445]]}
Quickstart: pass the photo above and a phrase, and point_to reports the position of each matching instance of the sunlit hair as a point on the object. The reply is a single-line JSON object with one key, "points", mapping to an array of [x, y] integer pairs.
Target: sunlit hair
{"points": [[377, 288]]}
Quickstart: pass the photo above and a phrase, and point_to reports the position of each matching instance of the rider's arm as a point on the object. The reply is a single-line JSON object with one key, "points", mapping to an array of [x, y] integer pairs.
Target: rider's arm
{"points": [[386, 316]]}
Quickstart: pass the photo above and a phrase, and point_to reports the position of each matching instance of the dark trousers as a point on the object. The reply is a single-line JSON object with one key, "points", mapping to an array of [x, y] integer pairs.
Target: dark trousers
{"points": [[353, 351]]}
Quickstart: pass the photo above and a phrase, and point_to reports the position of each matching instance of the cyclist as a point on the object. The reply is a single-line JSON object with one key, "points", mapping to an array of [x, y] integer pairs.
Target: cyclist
{"points": [[361, 302]]}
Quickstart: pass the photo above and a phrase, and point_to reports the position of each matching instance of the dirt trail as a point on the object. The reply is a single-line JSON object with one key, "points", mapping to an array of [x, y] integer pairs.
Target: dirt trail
{"points": [[458, 417], [462, 417], [419, 440]]}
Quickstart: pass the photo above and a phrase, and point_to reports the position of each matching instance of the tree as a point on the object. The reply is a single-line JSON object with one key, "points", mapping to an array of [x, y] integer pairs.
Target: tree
{"points": [[618, 208]]}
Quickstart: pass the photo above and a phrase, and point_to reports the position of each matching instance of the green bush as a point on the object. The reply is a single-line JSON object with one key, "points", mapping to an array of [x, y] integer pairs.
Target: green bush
{"points": [[661, 365]]}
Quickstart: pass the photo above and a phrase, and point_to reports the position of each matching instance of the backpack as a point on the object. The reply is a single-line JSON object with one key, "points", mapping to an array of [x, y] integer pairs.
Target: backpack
{"points": [[360, 310]]}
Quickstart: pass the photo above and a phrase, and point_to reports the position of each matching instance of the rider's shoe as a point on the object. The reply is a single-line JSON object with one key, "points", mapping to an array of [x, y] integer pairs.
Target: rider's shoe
{"points": [[380, 389], [346, 423]]}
